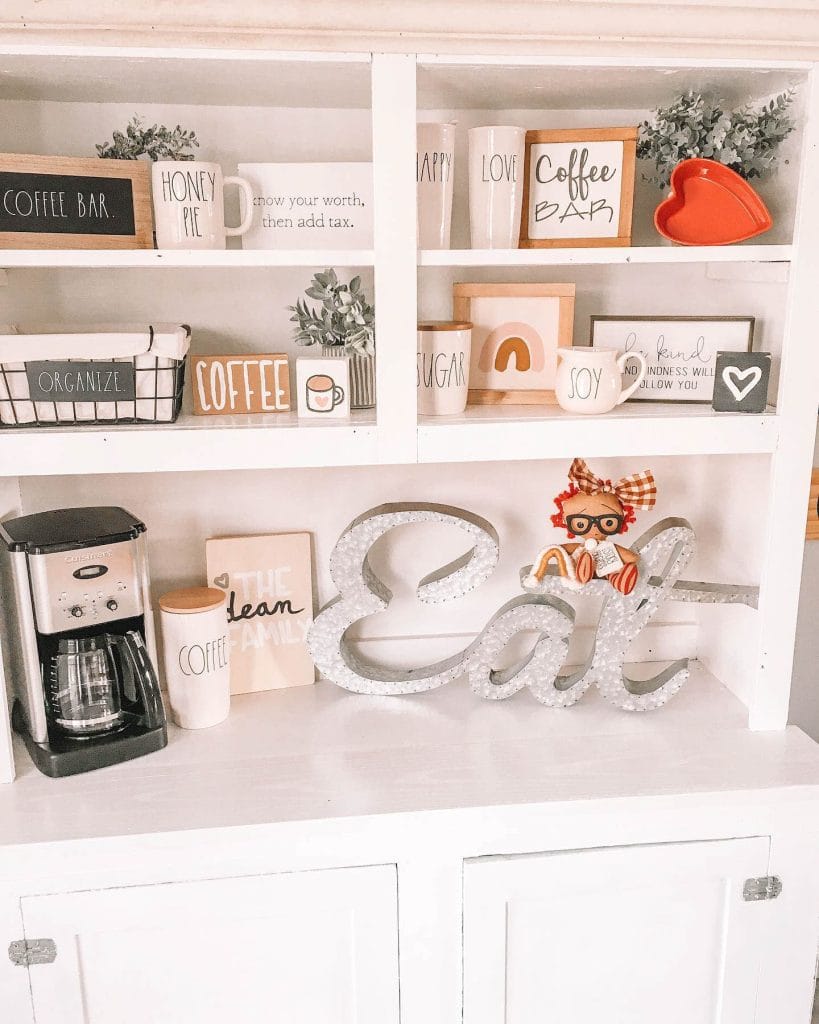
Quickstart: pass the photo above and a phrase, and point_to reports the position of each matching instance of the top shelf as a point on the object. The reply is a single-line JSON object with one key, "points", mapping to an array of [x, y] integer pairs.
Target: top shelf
{"points": [[235, 258]]}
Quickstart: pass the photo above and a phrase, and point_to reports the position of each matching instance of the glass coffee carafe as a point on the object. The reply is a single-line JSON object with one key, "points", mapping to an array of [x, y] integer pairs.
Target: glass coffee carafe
{"points": [[85, 683]]}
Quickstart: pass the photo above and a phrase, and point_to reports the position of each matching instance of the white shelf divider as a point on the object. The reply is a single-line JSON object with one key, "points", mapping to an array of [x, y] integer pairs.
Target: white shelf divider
{"points": [[614, 255], [223, 259], [193, 443], [492, 433]]}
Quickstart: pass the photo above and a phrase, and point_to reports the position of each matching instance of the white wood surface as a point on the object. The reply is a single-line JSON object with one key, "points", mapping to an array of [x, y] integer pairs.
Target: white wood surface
{"points": [[307, 948], [152, 259], [629, 934], [629, 254], [318, 752]]}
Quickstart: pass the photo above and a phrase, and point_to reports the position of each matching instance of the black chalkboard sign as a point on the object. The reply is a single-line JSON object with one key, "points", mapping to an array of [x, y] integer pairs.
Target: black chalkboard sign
{"points": [[71, 203], [66, 204], [56, 380]]}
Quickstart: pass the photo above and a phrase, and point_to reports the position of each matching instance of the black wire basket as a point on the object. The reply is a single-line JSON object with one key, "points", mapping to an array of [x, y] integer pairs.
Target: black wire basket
{"points": [[154, 383]]}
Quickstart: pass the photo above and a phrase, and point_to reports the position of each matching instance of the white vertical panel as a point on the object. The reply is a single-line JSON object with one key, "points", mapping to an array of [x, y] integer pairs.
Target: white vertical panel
{"points": [[9, 507], [395, 254], [791, 465]]}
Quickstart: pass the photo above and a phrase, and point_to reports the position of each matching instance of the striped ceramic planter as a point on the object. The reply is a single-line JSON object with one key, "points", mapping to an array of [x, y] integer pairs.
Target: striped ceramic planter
{"points": [[362, 375]]}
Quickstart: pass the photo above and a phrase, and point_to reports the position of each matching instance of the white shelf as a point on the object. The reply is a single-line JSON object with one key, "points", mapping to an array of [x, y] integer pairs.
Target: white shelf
{"points": [[616, 255], [192, 443], [184, 258], [493, 433], [355, 755]]}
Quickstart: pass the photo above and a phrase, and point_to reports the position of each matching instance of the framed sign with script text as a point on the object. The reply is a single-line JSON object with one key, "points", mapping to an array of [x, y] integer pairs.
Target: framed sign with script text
{"points": [[57, 202], [578, 187], [681, 351], [268, 580]]}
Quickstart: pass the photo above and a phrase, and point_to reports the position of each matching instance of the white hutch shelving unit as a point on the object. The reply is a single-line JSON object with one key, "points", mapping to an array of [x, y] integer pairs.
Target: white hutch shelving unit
{"points": [[322, 854]]}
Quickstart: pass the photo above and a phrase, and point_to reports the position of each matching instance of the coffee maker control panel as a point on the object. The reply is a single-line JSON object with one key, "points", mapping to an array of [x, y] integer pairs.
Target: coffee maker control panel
{"points": [[86, 587]]}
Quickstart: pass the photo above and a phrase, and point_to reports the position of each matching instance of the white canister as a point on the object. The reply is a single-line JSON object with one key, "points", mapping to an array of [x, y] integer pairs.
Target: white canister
{"points": [[589, 380], [495, 186], [435, 175], [196, 651], [189, 204], [443, 366]]}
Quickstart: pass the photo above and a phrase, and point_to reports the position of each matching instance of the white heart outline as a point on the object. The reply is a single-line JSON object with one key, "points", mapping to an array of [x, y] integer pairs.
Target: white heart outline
{"points": [[752, 371]]}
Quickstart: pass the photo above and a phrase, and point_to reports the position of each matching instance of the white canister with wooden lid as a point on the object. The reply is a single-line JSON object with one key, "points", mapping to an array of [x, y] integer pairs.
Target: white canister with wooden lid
{"points": [[196, 651], [443, 366]]}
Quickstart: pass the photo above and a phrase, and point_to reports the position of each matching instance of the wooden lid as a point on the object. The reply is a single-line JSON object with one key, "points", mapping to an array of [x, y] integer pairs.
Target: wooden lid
{"points": [[444, 325], [192, 599]]}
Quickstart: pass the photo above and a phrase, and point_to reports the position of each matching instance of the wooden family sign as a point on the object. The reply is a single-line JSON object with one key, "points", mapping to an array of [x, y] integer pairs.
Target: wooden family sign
{"points": [[51, 202], [235, 384], [578, 187]]}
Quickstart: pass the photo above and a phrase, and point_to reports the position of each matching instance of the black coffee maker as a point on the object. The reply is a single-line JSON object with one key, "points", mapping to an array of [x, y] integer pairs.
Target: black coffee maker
{"points": [[87, 691]]}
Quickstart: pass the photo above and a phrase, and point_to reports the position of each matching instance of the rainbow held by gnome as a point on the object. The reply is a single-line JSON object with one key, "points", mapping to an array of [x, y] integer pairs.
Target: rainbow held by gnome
{"points": [[596, 510]]}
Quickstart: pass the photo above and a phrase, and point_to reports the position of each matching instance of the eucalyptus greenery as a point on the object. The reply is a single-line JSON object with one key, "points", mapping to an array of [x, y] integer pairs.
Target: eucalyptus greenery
{"points": [[746, 140], [156, 143], [344, 318]]}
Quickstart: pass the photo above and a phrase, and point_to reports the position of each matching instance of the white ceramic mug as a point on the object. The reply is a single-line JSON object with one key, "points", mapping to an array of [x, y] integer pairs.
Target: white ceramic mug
{"points": [[189, 204], [443, 366], [495, 186], [589, 380], [434, 174], [323, 394], [196, 655]]}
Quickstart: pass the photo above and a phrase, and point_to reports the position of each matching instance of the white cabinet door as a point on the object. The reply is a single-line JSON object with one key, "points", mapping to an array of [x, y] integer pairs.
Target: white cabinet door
{"points": [[632, 935], [316, 947]]}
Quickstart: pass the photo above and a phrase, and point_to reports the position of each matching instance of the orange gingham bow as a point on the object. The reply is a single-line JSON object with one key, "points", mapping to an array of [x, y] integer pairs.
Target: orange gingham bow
{"points": [[638, 490]]}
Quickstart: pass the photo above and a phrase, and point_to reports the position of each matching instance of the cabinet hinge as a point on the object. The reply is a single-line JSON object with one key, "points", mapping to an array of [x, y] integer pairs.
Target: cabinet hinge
{"points": [[26, 952], [766, 888]]}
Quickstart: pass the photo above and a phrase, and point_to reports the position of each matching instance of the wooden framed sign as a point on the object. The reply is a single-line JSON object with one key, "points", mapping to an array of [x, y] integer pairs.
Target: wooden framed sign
{"points": [[56, 202], [516, 332], [578, 187], [235, 384], [681, 351]]}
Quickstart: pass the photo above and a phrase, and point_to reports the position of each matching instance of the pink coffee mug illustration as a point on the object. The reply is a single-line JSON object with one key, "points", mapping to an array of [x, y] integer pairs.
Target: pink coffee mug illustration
{"points": [[323, 394]]}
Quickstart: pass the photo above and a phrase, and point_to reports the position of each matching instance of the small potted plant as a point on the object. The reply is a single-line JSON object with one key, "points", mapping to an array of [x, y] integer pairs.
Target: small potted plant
{"points": [[746, 140], [343, 324], [154, 143]]}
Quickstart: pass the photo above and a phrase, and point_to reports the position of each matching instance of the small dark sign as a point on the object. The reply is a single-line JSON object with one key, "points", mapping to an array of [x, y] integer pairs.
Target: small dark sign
{"points": [[741, 381], [64, 381], [66, 204]]}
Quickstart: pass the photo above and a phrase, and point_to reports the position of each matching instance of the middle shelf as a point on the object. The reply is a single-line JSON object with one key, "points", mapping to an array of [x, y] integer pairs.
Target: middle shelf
{"points": [[481, 434]]}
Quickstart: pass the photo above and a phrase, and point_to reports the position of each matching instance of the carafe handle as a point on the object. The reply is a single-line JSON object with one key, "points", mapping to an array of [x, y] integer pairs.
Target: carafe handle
{"points": [[621, 366], [143, 676]]}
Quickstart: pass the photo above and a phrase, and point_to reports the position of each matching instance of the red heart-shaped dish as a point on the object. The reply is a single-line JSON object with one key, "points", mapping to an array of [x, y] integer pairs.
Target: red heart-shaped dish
{"points": [[709, 204]]}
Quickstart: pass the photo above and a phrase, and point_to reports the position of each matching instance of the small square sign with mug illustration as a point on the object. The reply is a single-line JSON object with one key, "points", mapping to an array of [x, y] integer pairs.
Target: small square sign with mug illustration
{"points": [[741, 381], [323, 386]]}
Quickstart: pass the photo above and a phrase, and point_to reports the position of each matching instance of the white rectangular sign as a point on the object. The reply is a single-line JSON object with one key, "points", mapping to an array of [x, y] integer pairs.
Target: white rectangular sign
{"points": [[309, 206], [681, 352]]}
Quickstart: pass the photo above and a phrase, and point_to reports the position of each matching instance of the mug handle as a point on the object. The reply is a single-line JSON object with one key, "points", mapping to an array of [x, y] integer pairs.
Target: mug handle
{"points": [[621, 365], [244, 185], [338, 395]]}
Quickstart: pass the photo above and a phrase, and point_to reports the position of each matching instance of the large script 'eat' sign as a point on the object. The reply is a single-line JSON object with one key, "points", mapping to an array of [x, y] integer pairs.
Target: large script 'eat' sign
{"points": [[578, 187]]}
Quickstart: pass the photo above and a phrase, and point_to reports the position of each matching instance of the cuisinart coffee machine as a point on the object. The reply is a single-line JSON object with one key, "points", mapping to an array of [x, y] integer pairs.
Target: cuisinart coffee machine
{"points": [[87, 692]]}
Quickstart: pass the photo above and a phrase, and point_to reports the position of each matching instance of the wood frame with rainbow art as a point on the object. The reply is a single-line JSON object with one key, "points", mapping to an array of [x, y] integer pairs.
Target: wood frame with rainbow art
{"points": [[516, 332]]}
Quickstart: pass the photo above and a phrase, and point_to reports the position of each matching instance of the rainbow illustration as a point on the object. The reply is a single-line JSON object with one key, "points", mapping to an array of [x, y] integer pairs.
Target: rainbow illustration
{"points": [[512, 345]]}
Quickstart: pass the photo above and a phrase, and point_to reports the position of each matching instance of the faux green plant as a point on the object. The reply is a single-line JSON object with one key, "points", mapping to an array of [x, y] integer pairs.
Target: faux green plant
{"points": [[344, 318], [155, 143], [747, 139]]}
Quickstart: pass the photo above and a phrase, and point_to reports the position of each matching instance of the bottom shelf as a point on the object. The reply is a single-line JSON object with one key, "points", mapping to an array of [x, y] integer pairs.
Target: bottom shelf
{"points": [[318, 752]]}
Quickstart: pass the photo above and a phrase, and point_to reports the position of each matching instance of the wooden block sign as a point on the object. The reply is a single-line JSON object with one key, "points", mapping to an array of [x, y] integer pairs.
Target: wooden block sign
{"points": [[226, 385], [268, 581], [578, 187], [812, 529], [50, 202]]}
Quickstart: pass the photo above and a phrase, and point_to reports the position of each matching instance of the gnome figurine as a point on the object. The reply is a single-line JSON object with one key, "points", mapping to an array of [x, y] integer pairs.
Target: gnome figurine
{"points": [[594, 511]]}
